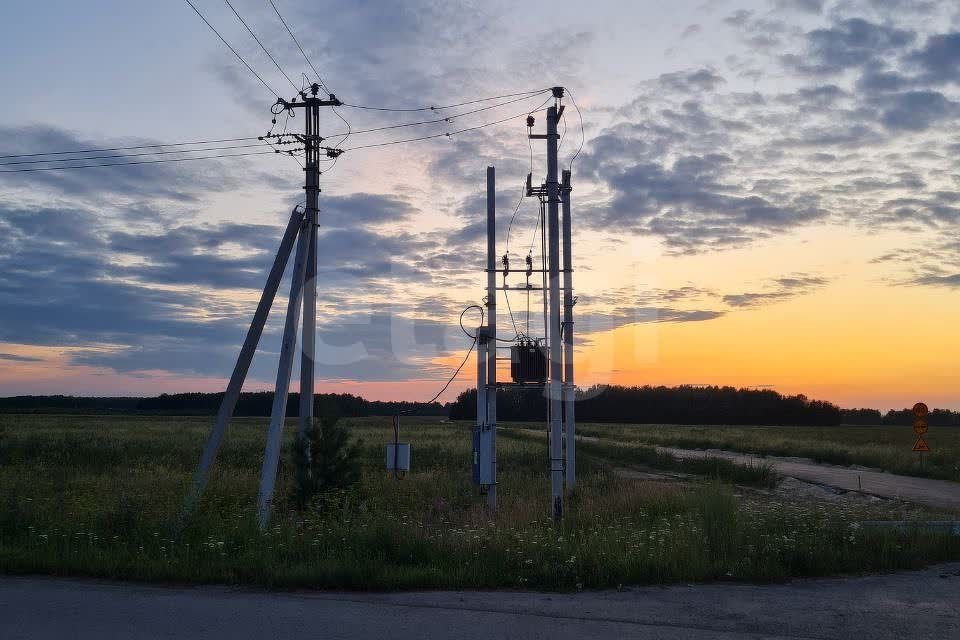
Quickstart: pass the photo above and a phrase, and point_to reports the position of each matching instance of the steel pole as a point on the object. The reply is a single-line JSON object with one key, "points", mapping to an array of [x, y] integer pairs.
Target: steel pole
{"points": [[271, 456], [492, 332], [556, 363], [240, 369], [569, 388]]}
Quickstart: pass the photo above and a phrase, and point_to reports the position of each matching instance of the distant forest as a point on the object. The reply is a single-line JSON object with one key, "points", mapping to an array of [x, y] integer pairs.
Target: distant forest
{"points": [[692, 405], [669, 405], [250, 404]]}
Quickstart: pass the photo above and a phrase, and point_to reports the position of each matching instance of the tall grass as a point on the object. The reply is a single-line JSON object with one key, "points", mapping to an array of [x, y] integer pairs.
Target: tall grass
{"points": [[103, 497]]}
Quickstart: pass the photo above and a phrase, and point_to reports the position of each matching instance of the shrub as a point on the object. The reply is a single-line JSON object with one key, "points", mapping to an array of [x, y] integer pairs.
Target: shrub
{"points": [[324, 458]]}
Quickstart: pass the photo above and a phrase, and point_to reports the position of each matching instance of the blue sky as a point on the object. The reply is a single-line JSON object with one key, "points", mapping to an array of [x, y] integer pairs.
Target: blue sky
{"points": [[746, 166]]}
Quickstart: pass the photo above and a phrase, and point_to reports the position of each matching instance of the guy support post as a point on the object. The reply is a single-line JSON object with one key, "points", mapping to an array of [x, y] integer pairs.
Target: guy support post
{"points": [[229, 402]]}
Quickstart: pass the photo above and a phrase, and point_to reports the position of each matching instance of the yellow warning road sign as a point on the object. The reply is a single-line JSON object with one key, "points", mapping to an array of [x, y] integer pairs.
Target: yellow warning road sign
{"points": [[920, 445], [919, 426]]}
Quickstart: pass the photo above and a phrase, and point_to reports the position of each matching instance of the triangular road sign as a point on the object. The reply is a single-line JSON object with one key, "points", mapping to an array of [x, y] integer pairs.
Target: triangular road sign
{"points": [[920, 445]]}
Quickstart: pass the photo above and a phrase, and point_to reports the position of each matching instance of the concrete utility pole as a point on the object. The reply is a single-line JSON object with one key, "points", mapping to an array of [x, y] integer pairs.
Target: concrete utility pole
{"points": [[311, 171], [555, 379], [554, 385], [556, 362], [492, 333], [569, 388], [303, 289], [305, 284]]}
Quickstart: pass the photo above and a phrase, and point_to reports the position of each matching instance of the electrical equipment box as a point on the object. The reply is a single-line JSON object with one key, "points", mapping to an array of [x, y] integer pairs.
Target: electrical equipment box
{"points": [[486, 456], [482, 462], [528, 361], [475, 457], [398, 456]]}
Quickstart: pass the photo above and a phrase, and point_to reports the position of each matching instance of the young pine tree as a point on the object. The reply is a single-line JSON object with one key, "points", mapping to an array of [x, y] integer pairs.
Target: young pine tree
{"points": [[324, 458]]}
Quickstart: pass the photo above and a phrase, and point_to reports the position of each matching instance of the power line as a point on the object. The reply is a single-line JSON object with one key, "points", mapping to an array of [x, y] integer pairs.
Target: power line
{"points": [[523, 191], [297, 42], [118, 164], [132, 155], [448, 133], [239, 57], [443, 119], [582, 136], [272, 59], [130, 148], [447, 106]]}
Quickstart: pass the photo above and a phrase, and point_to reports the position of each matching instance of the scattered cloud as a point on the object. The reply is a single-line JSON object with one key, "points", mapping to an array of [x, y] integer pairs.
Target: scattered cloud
{"points": [[777, 290]]}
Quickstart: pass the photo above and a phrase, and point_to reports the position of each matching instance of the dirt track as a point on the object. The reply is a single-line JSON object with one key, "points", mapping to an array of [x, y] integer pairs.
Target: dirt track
{"points": [[934, 493]]}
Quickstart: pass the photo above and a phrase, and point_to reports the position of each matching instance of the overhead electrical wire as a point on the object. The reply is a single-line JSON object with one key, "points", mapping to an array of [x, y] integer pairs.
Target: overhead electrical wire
{"points": [[297, 42], [443, 119], [117, 164], [239, 57], [473, 345], [446, 106], [269, 55], [445, 134], [582, 136], [131, 155], [130, 148]]}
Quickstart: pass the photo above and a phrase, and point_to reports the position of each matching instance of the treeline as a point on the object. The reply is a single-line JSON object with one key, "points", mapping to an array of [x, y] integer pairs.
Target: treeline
{"points": [[900, 417], [668, 405], [250, 404]]}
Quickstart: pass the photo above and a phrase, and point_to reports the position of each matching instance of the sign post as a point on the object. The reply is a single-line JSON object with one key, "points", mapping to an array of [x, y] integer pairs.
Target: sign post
{"points": [[920, 411]]}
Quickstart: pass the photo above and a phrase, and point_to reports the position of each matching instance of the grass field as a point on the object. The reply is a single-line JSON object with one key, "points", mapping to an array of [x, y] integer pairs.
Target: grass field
{"points": [[102, 496], [883, 447]]}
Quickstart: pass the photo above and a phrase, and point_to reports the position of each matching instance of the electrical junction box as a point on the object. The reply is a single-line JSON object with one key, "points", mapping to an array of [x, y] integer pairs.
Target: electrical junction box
{"points": [[482, 461], [398, 456], [528, 361], [475, 454], [485, 461]]}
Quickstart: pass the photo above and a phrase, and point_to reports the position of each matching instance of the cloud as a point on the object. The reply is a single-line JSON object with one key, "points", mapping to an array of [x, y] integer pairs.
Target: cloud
{"points": [[11, 357], [807, 6], [691, 81], [690, 203], [777, 290], [168, 300], [939, 58], [849, 43], [173, 182], [917, 110]]}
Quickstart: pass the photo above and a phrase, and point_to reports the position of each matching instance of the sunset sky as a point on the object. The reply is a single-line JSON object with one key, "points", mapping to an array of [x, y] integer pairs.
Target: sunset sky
{"points": [[767, 193]]}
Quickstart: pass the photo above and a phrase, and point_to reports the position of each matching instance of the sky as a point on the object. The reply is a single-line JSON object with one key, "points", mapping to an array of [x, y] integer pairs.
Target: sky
{"points": [[765, 192]]}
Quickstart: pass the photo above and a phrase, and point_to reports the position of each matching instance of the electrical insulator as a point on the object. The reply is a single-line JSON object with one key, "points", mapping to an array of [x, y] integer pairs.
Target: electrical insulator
{"points": [[530, 122], [506, 263], [529, 265]]}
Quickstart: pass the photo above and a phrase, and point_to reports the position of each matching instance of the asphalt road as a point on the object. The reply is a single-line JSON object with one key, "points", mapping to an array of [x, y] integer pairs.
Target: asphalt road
{"points": [[916, 605], [935, 493]]}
